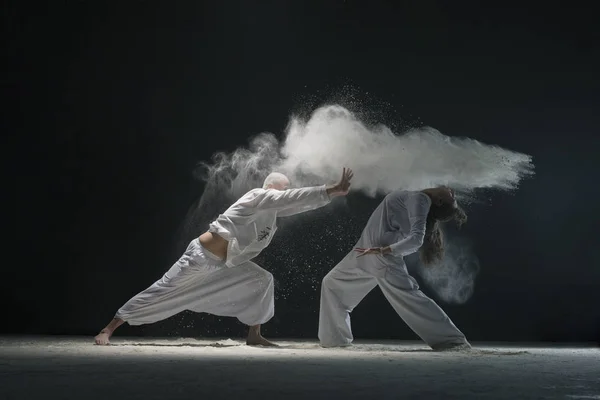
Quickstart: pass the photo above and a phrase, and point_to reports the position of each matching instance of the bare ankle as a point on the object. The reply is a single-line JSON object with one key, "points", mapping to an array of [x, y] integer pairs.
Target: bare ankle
{"points": [[254, 331], [112, 326]]}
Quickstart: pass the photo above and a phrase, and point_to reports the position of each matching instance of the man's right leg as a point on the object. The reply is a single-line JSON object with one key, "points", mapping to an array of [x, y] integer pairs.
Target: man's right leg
{"points": [[166, 297], [103, 337], [342, 289]]}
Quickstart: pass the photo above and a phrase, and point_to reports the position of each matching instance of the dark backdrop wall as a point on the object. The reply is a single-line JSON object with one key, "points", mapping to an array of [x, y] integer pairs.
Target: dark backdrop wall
{"points": [[109, 107]]}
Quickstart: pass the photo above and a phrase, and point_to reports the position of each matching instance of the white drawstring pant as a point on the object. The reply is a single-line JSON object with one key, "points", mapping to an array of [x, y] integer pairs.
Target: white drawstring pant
{"points": [[352, 279], [201, 282]]}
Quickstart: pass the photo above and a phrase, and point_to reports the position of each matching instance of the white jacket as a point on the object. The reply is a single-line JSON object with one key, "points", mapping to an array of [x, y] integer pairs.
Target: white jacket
{"points": [[250, 223], [399, 222]]}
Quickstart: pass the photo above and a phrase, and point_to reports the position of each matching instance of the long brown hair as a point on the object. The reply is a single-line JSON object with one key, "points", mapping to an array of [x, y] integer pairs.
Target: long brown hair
{"points": [[432, 249]]}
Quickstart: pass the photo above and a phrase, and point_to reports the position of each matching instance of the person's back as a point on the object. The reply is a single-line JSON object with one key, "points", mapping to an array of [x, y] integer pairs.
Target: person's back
{"points": [[249, 224], [245, 226], [390, 221]]}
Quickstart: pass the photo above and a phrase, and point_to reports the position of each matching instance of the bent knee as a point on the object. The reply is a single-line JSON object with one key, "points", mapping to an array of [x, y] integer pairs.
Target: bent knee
{"points": [[268, 276], [328, 282], [265, 277]]}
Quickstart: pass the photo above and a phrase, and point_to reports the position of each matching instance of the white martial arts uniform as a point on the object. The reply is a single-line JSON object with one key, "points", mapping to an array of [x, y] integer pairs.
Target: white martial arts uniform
{"points": [[399, 222], [236, 287]]}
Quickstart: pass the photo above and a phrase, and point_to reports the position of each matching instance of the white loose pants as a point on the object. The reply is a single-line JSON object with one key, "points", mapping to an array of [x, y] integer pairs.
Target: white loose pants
{"points": [[352, 279], [200, 282]]}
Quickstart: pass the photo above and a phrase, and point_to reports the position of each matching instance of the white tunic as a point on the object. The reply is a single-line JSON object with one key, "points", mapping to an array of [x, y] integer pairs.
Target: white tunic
{"points": [[399, 222], [250, 223]]}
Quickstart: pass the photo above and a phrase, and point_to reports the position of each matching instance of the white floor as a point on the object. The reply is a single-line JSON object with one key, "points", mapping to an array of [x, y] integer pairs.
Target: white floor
{"points": [[133, 368]]}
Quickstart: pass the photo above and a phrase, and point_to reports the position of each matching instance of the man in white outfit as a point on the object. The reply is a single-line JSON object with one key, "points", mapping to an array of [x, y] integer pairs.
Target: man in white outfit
{"points": [[403, 223], [215, 274]]}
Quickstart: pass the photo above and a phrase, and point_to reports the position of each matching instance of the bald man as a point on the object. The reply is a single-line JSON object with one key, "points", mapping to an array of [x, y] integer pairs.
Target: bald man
{"points": [[215, 274]]}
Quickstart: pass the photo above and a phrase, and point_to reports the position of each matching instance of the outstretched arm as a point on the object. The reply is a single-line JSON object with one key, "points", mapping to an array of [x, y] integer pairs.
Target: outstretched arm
{"points": [[294, 201], [286, 212]]}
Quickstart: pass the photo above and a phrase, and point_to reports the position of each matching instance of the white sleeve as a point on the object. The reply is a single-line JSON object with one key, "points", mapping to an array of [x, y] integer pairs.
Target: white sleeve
{"points": [[291, 201], [417, 207]]}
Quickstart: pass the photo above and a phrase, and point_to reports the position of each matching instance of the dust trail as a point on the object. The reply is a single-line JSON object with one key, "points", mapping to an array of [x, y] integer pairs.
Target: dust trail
{"points": [[314, 150], [453, 278], [383, 161]]}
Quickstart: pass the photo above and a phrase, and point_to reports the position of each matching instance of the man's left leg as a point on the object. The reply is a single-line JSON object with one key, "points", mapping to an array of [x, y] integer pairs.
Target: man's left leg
{"points": [[245, 291]]}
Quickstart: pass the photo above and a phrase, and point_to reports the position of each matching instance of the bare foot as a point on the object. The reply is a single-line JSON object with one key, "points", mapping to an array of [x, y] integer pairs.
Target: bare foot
{"points": [[102, 338], [258, 340]]}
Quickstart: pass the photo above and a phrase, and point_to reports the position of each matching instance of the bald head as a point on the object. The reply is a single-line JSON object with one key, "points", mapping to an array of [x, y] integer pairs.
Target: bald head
{"points": [[276, 180]]}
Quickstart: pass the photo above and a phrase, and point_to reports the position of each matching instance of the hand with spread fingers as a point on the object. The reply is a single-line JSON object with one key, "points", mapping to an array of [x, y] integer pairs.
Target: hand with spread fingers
{"points": [[343, 186]]}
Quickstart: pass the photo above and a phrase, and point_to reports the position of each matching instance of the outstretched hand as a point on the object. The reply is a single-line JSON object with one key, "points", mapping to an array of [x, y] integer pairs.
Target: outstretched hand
{"points": [[343, 186]]}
